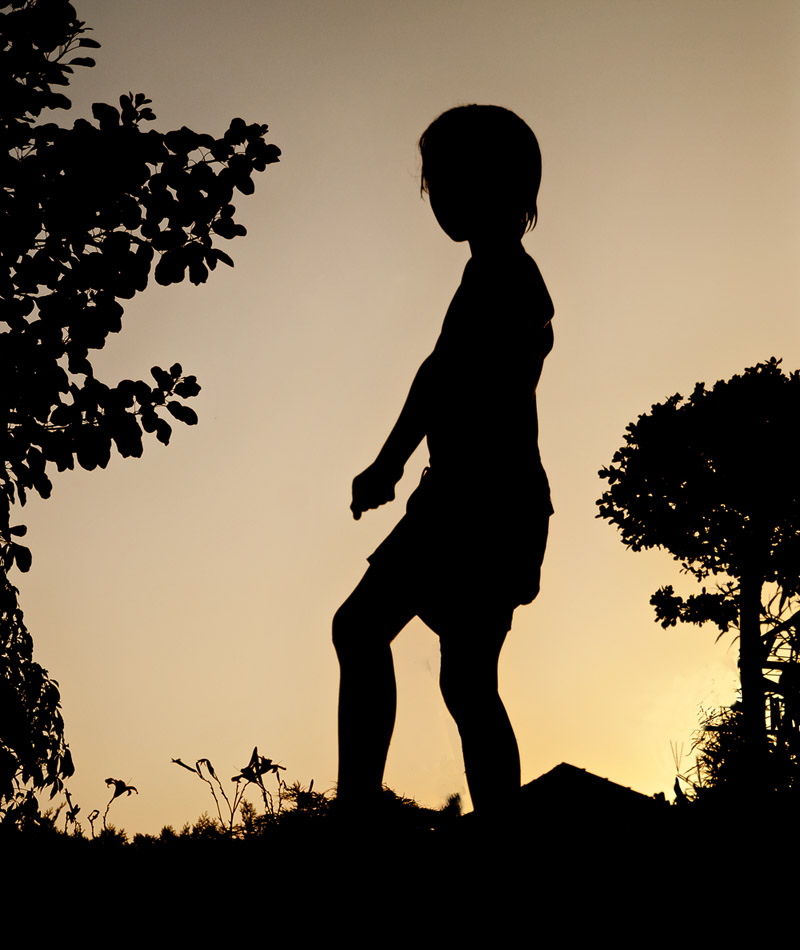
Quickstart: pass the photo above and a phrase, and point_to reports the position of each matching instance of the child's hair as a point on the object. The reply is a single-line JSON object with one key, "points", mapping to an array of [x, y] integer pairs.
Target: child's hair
{"points": [[494, 145]]}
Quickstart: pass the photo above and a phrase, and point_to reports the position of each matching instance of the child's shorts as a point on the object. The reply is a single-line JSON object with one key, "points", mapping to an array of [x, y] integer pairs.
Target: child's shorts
{"points": [[460, 569]]}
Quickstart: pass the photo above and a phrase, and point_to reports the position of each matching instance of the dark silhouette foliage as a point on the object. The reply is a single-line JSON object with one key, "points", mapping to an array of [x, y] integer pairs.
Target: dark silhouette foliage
{"points": [[705, 479], [722, 760], [86, 212], [251, 774], [32, 746], [698, 477]]}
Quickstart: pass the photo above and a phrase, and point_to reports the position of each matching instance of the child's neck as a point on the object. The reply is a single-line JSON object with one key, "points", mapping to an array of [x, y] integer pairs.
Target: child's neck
{"points": [[494, 246]]}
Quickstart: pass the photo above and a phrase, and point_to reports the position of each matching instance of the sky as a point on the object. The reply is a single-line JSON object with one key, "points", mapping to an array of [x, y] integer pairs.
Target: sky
{"points": [[183, 600]]}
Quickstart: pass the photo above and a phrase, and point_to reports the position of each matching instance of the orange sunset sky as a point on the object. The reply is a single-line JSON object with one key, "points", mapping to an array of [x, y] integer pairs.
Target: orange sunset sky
{"points": [[183, 600]]}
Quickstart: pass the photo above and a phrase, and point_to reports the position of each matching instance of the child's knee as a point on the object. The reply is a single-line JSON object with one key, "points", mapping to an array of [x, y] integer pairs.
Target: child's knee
{"points": [[369, 619], [468, 686], [343, 630], [350, 629], [457, 694]]}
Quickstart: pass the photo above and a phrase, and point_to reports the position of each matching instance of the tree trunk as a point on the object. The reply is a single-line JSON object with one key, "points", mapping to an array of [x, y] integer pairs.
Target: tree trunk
{"points": [[752, 682]]}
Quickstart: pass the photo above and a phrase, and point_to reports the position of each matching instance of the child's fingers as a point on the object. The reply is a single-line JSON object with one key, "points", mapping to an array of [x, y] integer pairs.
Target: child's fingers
{"points": [[369, 493]]}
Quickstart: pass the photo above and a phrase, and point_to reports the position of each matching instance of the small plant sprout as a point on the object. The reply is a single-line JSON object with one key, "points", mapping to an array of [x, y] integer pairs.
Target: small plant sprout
{"points": [[252, 774], [120, 788], [71, 815]]}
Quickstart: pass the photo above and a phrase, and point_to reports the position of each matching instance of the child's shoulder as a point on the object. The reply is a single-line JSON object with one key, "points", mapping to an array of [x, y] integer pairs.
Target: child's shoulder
{"points": [[528, 271], [514, 282], [511, 269]]}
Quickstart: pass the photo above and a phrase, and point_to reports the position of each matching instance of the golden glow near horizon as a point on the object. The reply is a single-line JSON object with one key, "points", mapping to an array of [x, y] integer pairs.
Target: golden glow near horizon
{"points": [[183, 601]]}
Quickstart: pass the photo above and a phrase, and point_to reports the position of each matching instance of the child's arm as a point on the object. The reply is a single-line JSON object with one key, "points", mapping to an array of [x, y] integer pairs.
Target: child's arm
{"points": [[375, 485]]}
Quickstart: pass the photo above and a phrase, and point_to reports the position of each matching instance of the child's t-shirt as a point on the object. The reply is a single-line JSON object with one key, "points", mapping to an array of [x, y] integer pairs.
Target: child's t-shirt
{"points": [[482, 428], [479, 511]]}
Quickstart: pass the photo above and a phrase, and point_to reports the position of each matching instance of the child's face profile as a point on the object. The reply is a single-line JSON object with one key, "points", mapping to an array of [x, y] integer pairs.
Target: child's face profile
{"points": [[450, 204], [465, 209]]}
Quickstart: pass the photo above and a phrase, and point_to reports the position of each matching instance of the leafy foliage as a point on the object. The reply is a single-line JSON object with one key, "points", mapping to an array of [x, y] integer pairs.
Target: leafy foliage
{"points": [[86, 212], [32, 746], [721, 761], [698, 478], [719, 608], [703, 478]]}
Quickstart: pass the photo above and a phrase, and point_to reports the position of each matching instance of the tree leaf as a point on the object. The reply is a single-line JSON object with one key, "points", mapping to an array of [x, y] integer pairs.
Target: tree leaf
{"points": [[22, 557], [163, 431], [106, 115]]}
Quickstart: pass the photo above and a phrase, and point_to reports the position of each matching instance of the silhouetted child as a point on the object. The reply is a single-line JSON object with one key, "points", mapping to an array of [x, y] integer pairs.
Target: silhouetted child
{"points": [[470, 546]]}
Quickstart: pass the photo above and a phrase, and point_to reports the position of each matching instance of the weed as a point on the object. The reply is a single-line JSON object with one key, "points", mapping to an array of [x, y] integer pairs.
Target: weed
{"points": [[252, 774]]}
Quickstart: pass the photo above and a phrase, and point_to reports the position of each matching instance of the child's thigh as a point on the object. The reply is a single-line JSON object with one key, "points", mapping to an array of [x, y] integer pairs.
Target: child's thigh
{"points": [[471, 637], [374, 613], [466, 623]]}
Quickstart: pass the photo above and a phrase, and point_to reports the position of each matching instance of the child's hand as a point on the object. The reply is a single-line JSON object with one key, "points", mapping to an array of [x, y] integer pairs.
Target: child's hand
{"points": [[373, 488]]}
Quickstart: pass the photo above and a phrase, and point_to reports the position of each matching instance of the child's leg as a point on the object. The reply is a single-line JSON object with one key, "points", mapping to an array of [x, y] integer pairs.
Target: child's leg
{"points": [[363, 630], [468, 681]]}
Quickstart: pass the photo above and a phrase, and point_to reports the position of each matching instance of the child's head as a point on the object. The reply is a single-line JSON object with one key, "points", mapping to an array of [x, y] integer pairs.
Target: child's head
{"points": [[490, 151]]}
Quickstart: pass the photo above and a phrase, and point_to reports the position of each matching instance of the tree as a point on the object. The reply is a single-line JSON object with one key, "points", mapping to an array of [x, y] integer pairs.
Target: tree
{"points": [[705, 479], [85, 213]]}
